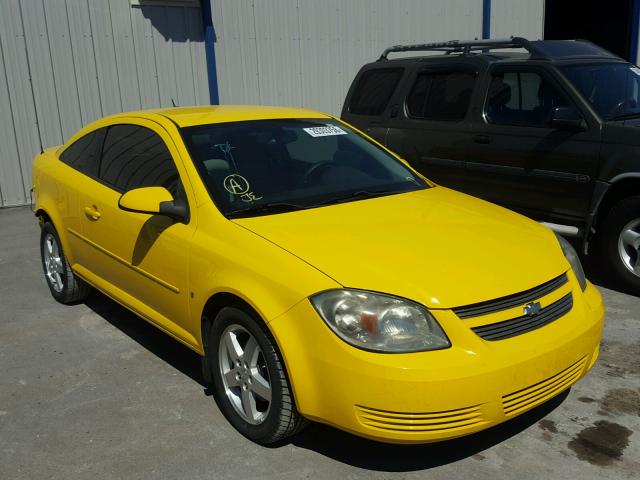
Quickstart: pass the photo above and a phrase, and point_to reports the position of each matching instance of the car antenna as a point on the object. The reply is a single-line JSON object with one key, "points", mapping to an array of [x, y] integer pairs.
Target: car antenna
{"points": [[173, 103]]}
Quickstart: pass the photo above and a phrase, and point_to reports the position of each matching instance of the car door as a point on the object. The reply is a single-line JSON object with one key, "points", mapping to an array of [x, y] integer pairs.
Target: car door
{"points": [[519, 160], [140, 259], [432, 131]]}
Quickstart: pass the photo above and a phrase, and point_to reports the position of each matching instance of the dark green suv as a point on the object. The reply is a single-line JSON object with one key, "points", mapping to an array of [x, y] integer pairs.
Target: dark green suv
{"points": [[552, 132]]}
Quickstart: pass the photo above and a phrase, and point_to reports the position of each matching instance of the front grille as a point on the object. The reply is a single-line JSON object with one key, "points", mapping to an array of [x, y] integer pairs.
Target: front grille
{"points": [[419, 422], [517, 402], [510, 301], [526, 323]]}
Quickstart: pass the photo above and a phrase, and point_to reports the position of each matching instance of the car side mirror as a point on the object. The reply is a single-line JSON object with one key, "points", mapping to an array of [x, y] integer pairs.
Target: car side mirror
{"points": [[154, 201], [567, 118]]}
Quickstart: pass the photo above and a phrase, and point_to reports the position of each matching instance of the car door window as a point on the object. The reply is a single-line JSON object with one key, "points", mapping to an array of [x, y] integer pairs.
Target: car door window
{"points": [[522, 98], [442, 96], [84, 153], [374, 90], [135, 157]]}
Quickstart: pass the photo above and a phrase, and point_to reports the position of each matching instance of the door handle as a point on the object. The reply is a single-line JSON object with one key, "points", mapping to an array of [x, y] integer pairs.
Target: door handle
{"points": [[92, 212], [482, 139]]}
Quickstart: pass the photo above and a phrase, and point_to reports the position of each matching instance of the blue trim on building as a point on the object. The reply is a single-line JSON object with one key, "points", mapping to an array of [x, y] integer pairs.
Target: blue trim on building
{"points": [[209, 46], [635, 20], [486, 18]]}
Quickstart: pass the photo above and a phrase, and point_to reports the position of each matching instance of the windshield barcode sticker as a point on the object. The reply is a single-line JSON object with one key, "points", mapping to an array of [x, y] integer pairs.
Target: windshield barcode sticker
{"points": [[326, 131]]}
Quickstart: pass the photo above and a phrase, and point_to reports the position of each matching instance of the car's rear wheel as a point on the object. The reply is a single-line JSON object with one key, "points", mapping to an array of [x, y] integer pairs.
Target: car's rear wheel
{"points": [[63, 284], [249, 379], [620, 243]]}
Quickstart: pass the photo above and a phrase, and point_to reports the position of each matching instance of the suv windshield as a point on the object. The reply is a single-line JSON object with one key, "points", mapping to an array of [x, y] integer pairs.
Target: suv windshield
{"points": [[613, 89], [272, 166]]}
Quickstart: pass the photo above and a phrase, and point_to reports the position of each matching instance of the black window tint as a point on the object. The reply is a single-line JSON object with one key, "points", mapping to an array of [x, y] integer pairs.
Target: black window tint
{"points": [[374, 90], [135, 157], [441, 96], [84, 153], [522, 98]]}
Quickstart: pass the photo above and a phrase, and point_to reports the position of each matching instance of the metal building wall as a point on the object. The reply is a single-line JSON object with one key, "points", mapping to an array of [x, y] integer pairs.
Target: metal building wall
{"points": [[65, 63], [306, 52], [523, 18]]}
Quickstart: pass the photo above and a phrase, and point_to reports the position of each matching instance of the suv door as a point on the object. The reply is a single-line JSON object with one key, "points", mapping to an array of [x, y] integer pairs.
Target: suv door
{"points": [[142, 257], [432, 131], [519, 160], [368, 100]]}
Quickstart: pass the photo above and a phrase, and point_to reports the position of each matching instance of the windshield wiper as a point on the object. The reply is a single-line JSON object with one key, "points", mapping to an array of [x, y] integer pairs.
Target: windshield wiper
{"points": [[265, 209], [625, 116], [359, 195]]}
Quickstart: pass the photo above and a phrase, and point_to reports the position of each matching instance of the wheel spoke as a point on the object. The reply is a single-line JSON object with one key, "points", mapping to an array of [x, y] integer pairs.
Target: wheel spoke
{"points": [[231, 379], [59, 266], [58, 279], [250, 353], [249, 404], [49, 243], [261, 387], [631, 238], [233, 347]]}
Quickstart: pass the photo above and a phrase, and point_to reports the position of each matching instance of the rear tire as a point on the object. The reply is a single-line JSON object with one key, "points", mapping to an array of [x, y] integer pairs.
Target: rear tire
{"points": [[249, 379], [65, 287], [620, 244]]}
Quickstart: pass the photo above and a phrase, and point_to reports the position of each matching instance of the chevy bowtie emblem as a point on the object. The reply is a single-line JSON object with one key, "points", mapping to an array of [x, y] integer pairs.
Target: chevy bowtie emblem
{"points": [[531, 309]]}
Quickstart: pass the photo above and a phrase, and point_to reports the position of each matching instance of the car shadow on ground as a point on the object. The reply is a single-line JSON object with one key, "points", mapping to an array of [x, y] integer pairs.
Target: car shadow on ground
{"points": [[323, 439]]}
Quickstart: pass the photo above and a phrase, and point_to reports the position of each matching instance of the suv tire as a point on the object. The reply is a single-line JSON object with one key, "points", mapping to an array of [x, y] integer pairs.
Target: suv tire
{"points": [[620, 243]]}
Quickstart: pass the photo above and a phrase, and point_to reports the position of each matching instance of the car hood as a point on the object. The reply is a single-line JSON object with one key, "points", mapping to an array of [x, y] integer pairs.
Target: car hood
{"points": [[436, 246]]}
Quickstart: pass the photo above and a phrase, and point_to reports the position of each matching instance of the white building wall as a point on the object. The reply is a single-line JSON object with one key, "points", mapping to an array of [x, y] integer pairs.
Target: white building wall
{"points": [[307, 52], [65, 63], [520, 18]]}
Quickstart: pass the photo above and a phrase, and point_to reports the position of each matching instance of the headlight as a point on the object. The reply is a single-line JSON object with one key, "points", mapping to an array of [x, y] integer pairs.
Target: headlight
{"points": [[573, 259], [383, 323]]}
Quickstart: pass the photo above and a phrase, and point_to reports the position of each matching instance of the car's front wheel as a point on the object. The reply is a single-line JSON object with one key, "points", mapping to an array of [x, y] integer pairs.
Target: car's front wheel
{"points": [[621, 243], [63, 284], [249, 379]]}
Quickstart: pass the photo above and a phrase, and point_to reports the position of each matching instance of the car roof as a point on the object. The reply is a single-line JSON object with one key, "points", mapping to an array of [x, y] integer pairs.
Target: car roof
{"points": [[201, 115]]}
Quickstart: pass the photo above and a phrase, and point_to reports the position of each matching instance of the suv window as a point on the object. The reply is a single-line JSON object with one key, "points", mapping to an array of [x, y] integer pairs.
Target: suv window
{"points": [[441, 96], [522, 98], [134, 157], [84, 153], [374, 90]]}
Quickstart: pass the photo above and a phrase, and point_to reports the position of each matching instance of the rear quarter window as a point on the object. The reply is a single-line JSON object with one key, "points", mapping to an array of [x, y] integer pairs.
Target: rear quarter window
{"points": [[442, 96], [374, 90], [84, 153]]}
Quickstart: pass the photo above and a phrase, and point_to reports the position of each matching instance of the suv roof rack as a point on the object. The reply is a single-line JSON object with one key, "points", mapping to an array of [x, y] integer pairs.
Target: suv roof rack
{"points": [[466, 46]]}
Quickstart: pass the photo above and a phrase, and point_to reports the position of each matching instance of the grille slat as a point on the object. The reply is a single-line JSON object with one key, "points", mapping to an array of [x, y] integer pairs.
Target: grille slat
{"points": [[510, 301], [419, 421], [526, 323], [526, 398]]}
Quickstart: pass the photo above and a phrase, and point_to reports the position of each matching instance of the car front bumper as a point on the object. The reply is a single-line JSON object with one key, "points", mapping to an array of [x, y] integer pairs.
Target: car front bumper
{"points": [[431, 396]]}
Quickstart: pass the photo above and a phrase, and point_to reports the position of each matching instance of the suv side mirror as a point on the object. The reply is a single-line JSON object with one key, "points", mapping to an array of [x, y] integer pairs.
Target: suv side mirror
{"points": [[567, 118], [154, 201]]}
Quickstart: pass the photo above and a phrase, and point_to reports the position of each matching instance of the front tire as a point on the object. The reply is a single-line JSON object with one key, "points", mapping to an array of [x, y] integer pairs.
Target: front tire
{"points": [[65, 287], [620, 243], [249, 380]]}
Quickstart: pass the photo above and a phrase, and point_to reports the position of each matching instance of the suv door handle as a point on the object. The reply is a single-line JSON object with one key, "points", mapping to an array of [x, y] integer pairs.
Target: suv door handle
{"points": [[92, 212], [482, 139]]}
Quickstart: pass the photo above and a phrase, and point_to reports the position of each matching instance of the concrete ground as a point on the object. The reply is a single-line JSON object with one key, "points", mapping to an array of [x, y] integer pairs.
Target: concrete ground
{"points": [[92, 391]]}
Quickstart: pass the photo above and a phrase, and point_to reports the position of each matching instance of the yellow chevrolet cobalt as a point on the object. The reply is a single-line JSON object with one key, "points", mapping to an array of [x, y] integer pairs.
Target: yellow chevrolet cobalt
{"points": [[319, 277]]}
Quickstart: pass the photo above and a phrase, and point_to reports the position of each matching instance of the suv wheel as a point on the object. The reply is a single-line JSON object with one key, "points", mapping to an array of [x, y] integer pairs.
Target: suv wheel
{"points": [[621, 243], [63, 284], [249, 380]]}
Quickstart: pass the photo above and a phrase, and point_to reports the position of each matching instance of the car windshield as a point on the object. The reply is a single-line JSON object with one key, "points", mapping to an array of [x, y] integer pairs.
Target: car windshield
{"points": [[613, 89], [272, 166]]}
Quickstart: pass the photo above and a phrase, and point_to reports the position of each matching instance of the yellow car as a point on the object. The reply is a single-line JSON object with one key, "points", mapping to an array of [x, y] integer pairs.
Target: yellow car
{"points": [[316, 273]]}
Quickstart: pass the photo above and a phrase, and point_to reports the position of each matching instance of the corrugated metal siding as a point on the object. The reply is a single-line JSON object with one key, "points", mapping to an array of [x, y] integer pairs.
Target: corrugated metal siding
{"points": [[66, 63], [307, 52], [523, 18]]}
